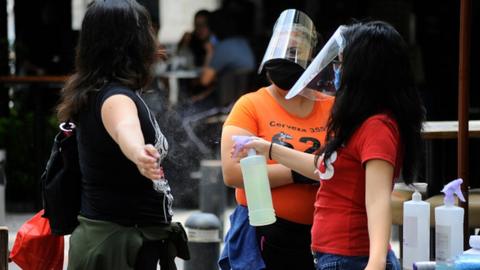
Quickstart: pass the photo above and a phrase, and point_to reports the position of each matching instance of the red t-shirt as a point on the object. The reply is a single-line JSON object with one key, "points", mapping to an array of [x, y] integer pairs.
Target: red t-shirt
{"points": [[260, 114], [340, 220]]}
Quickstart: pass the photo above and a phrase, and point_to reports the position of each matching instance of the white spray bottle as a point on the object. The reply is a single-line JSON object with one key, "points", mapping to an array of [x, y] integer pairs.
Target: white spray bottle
{"points": [[416, 231], [256, 185], [449, 227]]}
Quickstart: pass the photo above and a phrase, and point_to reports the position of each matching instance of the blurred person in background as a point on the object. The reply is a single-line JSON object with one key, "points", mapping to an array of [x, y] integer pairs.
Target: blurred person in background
{"points": [[126, 203], [298, 123], [196, 44], [231, 53]]}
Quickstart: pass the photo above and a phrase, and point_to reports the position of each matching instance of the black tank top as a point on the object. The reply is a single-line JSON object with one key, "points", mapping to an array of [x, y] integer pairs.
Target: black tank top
{"points": [[112, 187]]}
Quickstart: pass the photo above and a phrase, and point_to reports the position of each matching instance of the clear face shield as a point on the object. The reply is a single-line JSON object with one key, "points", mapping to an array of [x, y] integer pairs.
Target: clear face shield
{"points": [[294, 38], [323, 74]]}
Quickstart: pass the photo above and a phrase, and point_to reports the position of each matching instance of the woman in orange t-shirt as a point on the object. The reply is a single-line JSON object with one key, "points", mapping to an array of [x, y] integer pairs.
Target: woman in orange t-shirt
{"points": [[299, 123]]}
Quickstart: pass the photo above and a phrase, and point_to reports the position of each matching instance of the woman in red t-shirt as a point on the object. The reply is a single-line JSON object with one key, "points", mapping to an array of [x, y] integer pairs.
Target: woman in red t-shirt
{"points": [[376, 122]]}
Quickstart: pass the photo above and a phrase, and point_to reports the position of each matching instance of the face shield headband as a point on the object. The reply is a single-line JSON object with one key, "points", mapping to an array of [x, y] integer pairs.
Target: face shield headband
{"points": [[320, 74], [294, 39]]}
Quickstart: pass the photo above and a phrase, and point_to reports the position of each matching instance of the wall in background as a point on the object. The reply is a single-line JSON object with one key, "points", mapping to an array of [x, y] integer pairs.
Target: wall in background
{"points": [[176, 17]]}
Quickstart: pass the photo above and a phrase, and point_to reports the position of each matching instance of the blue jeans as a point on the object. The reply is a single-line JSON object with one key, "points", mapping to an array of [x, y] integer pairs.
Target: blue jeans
{"points": [[325, 261]]}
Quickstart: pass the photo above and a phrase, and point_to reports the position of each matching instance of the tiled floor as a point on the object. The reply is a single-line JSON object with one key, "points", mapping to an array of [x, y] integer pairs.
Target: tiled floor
{"points": [[14, 221]]}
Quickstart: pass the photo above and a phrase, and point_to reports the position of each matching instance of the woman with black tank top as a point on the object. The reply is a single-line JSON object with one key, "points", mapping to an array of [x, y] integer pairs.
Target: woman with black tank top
{"points": [[126, 203]]}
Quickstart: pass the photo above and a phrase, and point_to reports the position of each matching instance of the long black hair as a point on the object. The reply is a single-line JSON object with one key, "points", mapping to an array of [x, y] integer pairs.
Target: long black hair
{"points": [[116, 44], [377, 77]]}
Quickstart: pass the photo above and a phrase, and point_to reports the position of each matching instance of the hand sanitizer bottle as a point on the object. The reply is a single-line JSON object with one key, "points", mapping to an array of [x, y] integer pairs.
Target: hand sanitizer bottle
{"points": [[449, 227], [416, 231], [256, 185]]}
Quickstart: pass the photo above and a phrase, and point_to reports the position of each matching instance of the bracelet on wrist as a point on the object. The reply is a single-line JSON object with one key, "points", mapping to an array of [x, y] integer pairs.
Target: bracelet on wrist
{"points": [[270, 151]]}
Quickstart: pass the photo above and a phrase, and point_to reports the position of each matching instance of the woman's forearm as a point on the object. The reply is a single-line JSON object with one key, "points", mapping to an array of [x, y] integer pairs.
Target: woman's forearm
{"points": [[300, 162], [120, 119], [378, 184], [379, 222], [130, 139], [278, 175]]}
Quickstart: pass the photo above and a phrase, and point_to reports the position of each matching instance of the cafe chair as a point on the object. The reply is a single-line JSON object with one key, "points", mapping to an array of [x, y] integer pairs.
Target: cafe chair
{"points": [[229, 87], [193, 127]]}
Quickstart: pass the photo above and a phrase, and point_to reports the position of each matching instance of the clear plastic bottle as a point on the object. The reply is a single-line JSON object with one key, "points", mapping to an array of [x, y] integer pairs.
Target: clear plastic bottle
{"points": [[449, 227], [256, 185], [416, 231]]}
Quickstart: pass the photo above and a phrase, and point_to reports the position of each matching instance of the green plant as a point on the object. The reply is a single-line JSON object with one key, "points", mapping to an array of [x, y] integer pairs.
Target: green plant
{"points": [[16, 134], [17, 138]]}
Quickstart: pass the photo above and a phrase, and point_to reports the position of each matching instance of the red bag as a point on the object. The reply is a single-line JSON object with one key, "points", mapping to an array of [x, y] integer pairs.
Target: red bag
{"points": [[36, 248]]}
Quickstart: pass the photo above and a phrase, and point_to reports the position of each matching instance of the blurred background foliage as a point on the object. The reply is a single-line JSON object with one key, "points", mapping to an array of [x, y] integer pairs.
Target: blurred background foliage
{"points": [[17, 138]]}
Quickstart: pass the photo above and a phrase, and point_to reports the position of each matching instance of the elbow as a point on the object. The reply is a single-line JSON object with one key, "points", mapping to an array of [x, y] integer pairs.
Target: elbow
{"points": [[204, 81], [228, 182], [116, 134], [233, 180]]}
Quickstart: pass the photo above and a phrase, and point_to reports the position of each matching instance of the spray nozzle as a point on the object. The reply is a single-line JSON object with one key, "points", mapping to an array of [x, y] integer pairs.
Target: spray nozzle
{"points": [[453, 188], [240, 142]]}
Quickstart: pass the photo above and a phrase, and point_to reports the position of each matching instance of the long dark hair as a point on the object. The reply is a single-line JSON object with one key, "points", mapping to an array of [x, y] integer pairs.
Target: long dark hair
{"points": [[116, 44], [377, 77]]}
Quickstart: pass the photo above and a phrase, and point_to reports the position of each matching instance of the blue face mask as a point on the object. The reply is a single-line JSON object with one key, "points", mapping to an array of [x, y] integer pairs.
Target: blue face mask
{"points": [[336, 82]]}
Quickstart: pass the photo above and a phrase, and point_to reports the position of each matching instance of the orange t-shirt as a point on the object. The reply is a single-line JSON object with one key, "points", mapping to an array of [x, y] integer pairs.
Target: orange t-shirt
{"points": [[260, 114]]}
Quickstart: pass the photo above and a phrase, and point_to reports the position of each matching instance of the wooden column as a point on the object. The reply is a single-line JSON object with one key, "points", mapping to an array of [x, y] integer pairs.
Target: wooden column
{"points": [[3, 248], [463, 105], [4, 67]]}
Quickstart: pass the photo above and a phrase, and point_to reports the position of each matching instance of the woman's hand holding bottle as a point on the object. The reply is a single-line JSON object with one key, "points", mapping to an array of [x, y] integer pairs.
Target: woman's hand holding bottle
{"points": [[260, 146]]}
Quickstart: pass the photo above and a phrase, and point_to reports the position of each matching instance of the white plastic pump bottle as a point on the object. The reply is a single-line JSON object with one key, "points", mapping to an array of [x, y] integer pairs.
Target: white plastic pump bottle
{"points": [[416, 231]]}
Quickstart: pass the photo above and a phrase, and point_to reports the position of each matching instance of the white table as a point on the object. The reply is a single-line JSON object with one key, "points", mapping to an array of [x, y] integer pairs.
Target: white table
{"points": [[441, 130], [448, 129], [173, 78]]}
